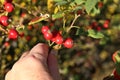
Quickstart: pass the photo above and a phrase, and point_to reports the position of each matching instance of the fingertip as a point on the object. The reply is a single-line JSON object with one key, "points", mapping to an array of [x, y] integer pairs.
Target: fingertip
{"points": [[40, 50]]}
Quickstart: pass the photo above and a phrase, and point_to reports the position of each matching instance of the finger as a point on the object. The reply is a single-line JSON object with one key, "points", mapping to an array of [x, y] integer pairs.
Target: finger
{"points": [[53, 65], [8, 76], [24, 55], [40, 51]]}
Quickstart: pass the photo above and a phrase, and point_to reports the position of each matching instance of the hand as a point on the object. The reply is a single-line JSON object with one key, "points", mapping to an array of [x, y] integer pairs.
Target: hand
{"points": [[35, 64]]}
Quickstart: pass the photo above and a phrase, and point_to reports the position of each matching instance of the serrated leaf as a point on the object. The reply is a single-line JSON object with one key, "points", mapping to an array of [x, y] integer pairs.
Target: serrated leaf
{"points": [[95, 34], [57, 15], [90, 4]]}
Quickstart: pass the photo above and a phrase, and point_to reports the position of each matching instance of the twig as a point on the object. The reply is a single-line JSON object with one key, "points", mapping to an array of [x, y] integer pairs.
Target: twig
{"points": [[71, 26]]}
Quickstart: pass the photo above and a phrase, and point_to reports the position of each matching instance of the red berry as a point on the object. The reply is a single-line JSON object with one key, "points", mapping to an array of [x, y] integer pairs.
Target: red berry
{"points": [[116, 75], [4, 20], [23, 15], [9, 7], [6, 44], [28, 38], [21, 34], [48, 35], [106, 24], [59, 39], [100, 4], [44, 29], [98, 28], [94, 24], [79, 12], [13, 34], [68, 43], [30, 27]]}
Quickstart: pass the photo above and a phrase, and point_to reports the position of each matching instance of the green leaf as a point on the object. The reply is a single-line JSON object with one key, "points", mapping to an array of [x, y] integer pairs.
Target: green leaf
{"points": [[78, 8], [61, 3], [90, 4], [80, 31], [79, 1], [57, 15], [57, 0], [95, 34]]}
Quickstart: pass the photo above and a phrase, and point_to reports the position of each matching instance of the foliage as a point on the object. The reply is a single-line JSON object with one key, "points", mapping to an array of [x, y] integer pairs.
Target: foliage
{"points": [[93, 25]]}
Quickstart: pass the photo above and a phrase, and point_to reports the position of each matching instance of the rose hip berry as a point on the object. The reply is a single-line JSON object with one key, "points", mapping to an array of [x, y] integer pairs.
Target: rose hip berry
{"points": [[106, 24], [44, 29], [68, 43], [9, 7], [4, 20], [59, 39], [48, 35], [100, 4], [6, 44], [13, 34], [116, 75]]}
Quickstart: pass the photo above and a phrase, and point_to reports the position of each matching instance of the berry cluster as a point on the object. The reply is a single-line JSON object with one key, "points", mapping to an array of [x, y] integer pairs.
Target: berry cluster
{"points": [[4, 19], [99, 26], [56, 37]]}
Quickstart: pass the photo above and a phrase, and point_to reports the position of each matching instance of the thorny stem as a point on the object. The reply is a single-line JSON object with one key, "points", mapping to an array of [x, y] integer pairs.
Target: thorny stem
{"points": [[71, 26]]}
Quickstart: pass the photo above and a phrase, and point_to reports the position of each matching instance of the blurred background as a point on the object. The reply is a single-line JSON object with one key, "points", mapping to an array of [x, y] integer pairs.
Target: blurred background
{"points": [[89, 59]]}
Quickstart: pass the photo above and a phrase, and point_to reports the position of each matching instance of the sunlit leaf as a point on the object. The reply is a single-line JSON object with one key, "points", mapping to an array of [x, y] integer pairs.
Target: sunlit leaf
{"points": [[79, 1], [61, 3], [90, 4], [95, 34], [57, 15]]}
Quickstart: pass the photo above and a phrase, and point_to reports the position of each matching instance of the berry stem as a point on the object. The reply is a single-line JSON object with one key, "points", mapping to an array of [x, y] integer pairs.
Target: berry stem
{"points": [[64, 22], [50, 43], [71, 26]]}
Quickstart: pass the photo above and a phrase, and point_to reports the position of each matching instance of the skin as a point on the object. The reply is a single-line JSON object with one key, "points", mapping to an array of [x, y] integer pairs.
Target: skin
{"points": [[35, 64]]}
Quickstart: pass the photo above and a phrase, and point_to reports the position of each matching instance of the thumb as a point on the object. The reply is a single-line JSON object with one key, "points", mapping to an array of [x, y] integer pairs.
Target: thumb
{"points": [[40, 51], [53, 65]]}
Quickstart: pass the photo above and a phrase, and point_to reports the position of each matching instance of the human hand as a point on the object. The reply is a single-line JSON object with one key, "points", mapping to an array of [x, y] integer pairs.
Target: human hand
{"points": [[35, 64]]}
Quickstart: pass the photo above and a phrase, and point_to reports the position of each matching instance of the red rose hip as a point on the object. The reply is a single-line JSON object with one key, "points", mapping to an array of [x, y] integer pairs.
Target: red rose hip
{"points": [[9, 7], [13, 34], [4, 20], [116, 75], [48, 35], [59, 39], [44, 29], [68, 43]]}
